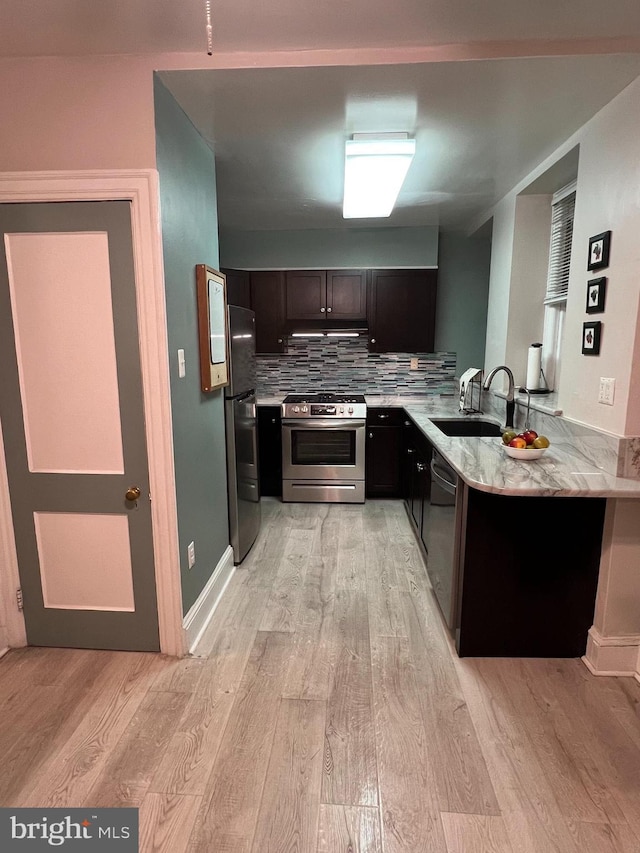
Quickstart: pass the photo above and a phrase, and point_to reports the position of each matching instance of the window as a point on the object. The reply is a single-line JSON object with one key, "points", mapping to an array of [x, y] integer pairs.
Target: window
{"points": [[555, 300]]}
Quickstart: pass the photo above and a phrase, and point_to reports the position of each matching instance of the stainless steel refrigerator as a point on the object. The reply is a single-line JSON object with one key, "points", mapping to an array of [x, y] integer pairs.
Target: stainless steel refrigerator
{"points": [[242, 433]]}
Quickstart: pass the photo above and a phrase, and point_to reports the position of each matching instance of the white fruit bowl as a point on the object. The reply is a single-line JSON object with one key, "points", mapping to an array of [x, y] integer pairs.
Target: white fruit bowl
{"points": [[525, 454]]}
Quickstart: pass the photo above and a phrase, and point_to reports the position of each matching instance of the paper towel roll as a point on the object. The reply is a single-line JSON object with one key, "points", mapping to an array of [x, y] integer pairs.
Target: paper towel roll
{"points": [[534, 366]]}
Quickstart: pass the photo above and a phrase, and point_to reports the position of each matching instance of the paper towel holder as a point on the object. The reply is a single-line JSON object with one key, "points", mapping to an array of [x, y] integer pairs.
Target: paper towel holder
{"points": [[544, 389]]}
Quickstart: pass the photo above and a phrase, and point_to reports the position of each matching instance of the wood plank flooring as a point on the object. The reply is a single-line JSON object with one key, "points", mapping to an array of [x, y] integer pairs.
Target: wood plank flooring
{"points": [[326, 711]]}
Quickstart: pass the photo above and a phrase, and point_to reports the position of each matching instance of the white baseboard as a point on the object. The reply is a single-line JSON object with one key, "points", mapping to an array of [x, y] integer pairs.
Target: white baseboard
{"points": [[612, 655], [199, 615]]}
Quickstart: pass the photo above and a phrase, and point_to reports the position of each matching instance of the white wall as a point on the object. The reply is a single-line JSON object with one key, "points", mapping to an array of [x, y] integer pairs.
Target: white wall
{"points": [[529, 265], [92, 113], [499, 310], [607, 198]]}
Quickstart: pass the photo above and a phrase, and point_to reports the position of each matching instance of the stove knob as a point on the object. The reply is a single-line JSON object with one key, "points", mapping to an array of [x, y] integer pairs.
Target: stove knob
{"points": [[305, 408], [342, 410], [350, 410], [296, 409]]}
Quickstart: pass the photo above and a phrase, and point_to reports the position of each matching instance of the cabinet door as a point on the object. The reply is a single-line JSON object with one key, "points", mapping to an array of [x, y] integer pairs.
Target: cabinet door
{"points": [[238, 287], [402, 310], [306, 294], [347, 294], [382, 461], [267, 300], [270, 450]]}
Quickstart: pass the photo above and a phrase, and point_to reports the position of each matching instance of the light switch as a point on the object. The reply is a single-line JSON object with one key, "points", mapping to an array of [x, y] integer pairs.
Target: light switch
{"points": [[191, 554], [182, 368], [607, 391], [414, 364]]}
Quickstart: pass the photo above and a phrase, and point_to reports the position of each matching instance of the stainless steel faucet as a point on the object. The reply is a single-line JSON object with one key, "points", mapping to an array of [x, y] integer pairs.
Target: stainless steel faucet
{"points": [[511, 405]]}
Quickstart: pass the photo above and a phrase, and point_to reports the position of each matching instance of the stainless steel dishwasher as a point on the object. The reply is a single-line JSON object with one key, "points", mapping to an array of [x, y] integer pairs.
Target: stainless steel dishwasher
{"points": [[439, 531]]}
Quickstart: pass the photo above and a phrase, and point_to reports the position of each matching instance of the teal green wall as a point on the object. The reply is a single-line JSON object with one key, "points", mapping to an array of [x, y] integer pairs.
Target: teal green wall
{"points": [[189, 218], [329, 248], [463, 296]]}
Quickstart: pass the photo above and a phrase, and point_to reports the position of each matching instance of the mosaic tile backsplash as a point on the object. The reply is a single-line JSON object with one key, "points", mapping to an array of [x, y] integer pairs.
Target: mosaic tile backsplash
{"points": [[344, 364]]}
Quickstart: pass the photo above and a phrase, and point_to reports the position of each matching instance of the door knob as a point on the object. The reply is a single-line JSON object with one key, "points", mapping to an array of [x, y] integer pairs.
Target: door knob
{"points": [[329, 310], [322, 310], [370, 435], [132, 493], [373, 340]]}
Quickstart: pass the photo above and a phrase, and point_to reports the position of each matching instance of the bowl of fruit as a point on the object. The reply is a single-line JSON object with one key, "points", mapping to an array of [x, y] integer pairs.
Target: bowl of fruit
{"points": [[526, 445]]}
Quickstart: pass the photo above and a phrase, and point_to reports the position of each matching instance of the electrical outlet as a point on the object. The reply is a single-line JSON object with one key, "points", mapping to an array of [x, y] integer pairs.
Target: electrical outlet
{"points": [[191, 554], [414, 364], [607, 391]]}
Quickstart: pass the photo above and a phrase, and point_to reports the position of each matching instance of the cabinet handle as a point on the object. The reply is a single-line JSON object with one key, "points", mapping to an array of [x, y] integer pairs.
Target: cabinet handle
{"points": [[383, 416], [407, 423], [420, 466], [370, 435], [279, 340], [273, 420], [329, 310], [322, 310], [373, 340], [411, 450]]}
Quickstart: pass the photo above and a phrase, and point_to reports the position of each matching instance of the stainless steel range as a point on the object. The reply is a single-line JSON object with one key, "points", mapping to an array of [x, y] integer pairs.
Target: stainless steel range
{"points": [[323, 445]]}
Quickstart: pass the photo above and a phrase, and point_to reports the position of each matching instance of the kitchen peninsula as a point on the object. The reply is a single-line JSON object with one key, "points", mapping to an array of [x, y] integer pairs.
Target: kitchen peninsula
{"points": [[530, 534]]}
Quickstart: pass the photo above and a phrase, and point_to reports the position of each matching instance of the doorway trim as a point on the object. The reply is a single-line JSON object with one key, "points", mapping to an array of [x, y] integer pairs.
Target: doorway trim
{"points": [[141, 188]]}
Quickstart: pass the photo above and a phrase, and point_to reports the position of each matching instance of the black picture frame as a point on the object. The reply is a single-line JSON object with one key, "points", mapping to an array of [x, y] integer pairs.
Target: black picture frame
{"points": [[596, 289], [591, 335], [599, 251]]}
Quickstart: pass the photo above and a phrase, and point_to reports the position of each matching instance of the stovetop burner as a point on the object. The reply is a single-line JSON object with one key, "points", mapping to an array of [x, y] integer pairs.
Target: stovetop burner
{"points": [[328, 397]]}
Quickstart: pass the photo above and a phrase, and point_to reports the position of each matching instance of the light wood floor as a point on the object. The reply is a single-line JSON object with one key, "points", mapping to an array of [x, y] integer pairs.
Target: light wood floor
{"points": [[327, 711]]}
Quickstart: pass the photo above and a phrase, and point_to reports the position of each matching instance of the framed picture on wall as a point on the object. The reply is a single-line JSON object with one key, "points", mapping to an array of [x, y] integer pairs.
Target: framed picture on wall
{"points": [[599, 251], [591, 334], [213, 328], [595, 295]]}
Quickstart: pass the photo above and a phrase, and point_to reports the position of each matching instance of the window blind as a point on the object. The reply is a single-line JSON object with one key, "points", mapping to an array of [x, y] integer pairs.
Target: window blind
{"points": [[562, 210]]}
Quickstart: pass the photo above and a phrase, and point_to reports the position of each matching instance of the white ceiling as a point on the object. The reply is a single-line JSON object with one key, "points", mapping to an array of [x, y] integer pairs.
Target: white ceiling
{"points": [[481, 124]]}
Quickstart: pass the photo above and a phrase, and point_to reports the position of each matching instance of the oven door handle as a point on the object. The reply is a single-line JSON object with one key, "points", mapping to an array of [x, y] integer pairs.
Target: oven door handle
{"points": [[310, 423]]}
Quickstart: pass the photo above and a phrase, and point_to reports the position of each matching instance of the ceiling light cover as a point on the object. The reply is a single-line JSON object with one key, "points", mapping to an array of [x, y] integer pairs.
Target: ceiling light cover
{"points": [[375, 167]]}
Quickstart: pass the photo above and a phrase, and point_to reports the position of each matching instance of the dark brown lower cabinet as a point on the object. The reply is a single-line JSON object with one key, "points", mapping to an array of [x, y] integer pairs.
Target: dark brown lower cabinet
{"points": [[383, 475], [416, 479], [528, 574], [270, 450]]}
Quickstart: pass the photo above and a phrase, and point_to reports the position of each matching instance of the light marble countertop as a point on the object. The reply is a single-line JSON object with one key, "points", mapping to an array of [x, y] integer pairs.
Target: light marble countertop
{"points": [[570, 467]]}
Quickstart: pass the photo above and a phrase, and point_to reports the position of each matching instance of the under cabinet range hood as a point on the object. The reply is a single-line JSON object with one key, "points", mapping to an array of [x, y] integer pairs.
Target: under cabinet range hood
{"points": [[324, 329]]}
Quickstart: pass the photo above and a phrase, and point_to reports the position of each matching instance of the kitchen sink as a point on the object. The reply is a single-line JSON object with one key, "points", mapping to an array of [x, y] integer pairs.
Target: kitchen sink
{"points": [[467, 427]]}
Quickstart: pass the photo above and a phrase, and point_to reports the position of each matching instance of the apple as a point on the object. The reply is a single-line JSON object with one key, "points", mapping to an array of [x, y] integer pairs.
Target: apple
{"points": [[541, 441], [518, 441], [529, 436], [507, 435]]}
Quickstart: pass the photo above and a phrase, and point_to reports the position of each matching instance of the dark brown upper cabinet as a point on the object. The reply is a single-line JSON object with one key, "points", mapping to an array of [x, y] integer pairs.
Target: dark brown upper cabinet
{"points": [[326, 295], [268, 302], [402, 310], [238, 287]]}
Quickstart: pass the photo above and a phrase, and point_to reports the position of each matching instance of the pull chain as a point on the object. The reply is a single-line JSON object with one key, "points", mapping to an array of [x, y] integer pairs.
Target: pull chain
{"points": [[209, 28]]}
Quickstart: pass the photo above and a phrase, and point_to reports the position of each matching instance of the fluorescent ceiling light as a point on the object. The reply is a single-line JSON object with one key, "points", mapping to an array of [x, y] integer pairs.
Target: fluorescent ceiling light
{"points": [[343, 334], [375, 166], [308, 335]]}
